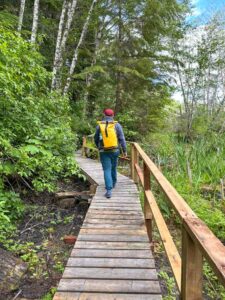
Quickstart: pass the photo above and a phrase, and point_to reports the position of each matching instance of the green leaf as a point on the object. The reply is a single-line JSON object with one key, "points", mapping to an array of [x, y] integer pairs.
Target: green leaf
{"points": [[31, 149], [90, 70]]}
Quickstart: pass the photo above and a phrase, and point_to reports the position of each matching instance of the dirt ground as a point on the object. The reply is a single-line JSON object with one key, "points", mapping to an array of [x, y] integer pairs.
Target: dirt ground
{"points": [[40, 241]]}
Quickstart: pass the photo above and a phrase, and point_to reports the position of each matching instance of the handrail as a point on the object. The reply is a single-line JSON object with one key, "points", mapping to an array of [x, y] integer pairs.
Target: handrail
{"points": [[85, 147], [197, 239]]}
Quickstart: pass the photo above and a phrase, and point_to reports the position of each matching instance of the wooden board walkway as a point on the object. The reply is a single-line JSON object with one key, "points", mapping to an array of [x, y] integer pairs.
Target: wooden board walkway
{"points": [[111, 259]]}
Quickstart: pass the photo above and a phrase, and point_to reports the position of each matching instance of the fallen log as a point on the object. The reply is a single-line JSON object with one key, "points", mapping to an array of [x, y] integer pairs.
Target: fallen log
{"points": [[72, 194]]}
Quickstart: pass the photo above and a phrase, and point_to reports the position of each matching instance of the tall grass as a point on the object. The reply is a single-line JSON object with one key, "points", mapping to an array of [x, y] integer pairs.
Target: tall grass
{"points": [[195, 170]]}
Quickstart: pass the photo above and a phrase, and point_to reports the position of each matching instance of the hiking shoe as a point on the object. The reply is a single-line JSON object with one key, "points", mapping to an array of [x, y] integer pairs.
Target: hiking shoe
{"points": [[108, 194], [114, 185]]}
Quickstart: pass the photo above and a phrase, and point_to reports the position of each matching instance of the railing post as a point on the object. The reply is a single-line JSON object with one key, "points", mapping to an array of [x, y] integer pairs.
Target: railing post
{"points": [[147, 209], [134, 160], [191, 277], [84, 144]]}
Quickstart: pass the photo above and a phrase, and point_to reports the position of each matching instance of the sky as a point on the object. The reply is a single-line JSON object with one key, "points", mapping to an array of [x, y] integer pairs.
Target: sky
{"points": [[203, 9]]}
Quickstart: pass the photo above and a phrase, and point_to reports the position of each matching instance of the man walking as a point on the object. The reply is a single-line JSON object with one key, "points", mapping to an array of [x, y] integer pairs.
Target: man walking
{"points": [[108, 137]]}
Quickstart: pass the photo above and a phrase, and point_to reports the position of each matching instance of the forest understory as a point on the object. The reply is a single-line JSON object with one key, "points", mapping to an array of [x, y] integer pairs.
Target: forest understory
{"points": [[44, 239]]}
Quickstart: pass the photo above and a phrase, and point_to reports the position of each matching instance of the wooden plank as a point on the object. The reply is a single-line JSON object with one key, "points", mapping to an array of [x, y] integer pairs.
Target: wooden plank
{"points": [[121, 187], [110, 273], [170, 248], [111, 245], [99, 221], [147, 209], [103, 296], [101, 262], [129, 206], [113, 237], [117, 200], [211, 247], [119, 205], [104, 216], [139, 173], [108, 226], [114, 211], [141, 232], [116, 286], [121, 194], [110, 253], [134, 160], [115, 197], [192, 263]]}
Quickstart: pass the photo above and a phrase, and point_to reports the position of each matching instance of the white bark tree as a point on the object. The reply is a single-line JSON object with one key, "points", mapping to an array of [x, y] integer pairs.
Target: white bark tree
{"points": [[63, 34], [75, 56], [70, 15], [35, 21], [89, 77], [22, 8], [58, 42]]}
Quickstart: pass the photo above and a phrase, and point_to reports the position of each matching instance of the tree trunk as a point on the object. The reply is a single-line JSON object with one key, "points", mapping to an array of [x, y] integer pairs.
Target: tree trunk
{"points": [[89, 77], [11, 272], [119, 87], [75, 56], [58, 43], [35, 21], [22, 7], [59, 59]]}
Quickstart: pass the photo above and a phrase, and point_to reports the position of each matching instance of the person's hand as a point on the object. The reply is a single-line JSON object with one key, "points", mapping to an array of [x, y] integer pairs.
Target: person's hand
{"points": [[125, 155]]}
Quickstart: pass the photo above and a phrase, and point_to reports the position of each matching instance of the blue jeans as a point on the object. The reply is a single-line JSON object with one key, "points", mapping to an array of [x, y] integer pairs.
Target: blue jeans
{"points": [[109, 162]]}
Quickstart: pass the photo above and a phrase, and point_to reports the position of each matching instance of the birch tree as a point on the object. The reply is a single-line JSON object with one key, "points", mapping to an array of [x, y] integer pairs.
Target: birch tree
{"points": [[62, 37], [89, 77], [58, 42], [119, 85], [35, 21], [75, 56], [22, 7]]}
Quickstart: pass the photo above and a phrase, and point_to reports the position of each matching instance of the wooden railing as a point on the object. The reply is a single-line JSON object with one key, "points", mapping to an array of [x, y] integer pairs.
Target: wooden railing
{"points": [[88, 145], [197, 239]]}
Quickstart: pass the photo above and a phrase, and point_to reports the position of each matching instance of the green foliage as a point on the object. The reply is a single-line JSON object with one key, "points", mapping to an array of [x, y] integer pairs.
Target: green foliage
{"points": [[170, 285], [7, 19], [211, 283], [11, 209], [49, 295], [206, 163], [36, 141]]}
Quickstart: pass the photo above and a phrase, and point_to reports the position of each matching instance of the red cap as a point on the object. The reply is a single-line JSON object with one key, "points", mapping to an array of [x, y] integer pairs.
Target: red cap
{"points": [[108, 112]]}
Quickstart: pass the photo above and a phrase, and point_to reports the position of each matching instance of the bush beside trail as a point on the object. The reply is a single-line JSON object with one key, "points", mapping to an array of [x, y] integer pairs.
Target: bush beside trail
{"points": [[36, 141]]}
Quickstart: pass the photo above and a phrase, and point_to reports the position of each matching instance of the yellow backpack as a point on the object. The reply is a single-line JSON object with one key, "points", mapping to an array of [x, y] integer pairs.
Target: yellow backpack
{"points": [[109, 136]]}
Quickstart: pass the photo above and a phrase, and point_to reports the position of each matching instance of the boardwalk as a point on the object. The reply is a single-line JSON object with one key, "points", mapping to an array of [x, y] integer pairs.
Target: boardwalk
{"points": [[111, 258]]}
